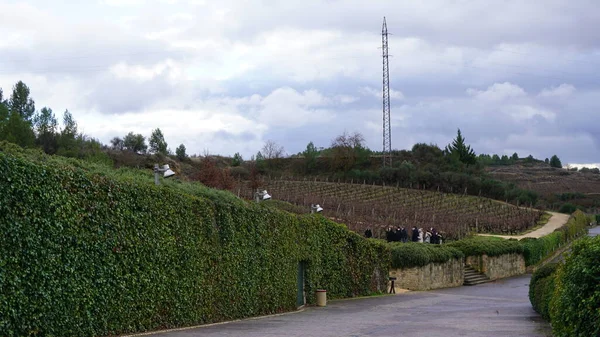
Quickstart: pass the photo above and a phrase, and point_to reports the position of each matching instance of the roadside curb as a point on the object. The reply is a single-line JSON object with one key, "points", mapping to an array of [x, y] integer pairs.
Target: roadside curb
{"points": [[150, 333]]}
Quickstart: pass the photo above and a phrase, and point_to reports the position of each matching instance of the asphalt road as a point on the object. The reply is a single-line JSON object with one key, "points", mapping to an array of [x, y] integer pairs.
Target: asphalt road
{"points": [[498, 308]]}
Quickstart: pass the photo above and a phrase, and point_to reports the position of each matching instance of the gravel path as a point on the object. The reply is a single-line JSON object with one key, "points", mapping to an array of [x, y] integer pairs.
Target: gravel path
{"points": [[557, 220]]}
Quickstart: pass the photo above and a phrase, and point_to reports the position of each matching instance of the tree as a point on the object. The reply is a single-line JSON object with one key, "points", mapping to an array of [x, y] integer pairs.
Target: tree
{"points": [[117, 143], [310, 157], [547, 161], [461, 151], [67, 140], [180, 152], [21, 103], [46, 129], [157, 142], [18, 131], [555, 162], [135, 143], [237, 159], [348, 151], [515, 157], [272, 150]]}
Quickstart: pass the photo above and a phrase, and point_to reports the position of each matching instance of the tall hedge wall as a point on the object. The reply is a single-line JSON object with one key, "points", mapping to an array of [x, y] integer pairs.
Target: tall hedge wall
{"points": [[83, 254]]}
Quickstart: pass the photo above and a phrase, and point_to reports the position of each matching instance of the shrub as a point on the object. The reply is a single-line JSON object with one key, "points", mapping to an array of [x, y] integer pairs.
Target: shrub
{"points": [[490, 246], [567, 208], [541, 289], [88, 251], [536, 250], [413, 254], [574, 308]]}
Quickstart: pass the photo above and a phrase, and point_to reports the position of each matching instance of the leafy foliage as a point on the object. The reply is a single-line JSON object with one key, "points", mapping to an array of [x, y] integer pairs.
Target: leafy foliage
{"points": [[414, 254], [180, 152], [135, 143], [575, 303], [90, 251], [157, 142]]}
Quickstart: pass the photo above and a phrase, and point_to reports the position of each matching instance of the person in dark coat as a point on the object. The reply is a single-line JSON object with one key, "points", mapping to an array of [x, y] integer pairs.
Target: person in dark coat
{"points": [[404, 235], [435, 238], [389, 235], [368, 233], [415, 234]]}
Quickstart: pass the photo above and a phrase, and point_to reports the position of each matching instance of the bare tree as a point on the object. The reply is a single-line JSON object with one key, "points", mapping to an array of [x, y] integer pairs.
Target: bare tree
{"points": [[346, 149], [272, 150]]}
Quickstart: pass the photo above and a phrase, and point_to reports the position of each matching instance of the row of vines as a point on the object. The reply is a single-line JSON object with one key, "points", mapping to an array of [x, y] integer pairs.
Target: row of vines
{"points": [[363, 206]]}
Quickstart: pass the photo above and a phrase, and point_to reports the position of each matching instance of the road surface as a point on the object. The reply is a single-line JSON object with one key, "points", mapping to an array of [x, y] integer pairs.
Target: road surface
{"points": [[499, 308]]}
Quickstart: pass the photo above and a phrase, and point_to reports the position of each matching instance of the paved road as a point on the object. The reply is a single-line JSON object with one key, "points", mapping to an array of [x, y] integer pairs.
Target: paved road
{"points": [[499, 308], [594, 231]]}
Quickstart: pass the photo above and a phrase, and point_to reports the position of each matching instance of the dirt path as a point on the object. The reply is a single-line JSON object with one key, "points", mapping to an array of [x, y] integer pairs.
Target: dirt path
{"points": [[556, 221]]}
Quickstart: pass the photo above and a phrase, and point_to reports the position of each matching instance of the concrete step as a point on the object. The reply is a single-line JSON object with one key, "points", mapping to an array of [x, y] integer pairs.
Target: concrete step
{"points": [[473, 277]]}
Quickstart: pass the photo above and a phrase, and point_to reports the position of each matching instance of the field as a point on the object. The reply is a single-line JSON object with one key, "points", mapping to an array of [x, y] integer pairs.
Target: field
{"points": [[377, 207], [547, 180]]}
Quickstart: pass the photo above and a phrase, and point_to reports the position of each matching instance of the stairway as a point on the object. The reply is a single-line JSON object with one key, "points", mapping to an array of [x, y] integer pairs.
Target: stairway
{"points": [[473, 277]]}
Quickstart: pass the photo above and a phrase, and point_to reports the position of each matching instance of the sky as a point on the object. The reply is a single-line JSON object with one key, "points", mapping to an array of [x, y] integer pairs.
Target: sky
{"points": [[225, 76]]}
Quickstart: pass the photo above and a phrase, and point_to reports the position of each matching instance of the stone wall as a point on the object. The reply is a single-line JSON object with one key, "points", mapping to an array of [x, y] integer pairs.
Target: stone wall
{"points": [[496, 267], [431, 276]]}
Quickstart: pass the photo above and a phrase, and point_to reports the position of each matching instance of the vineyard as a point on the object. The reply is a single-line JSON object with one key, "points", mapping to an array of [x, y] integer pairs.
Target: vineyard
{"points": [[378, 207]]}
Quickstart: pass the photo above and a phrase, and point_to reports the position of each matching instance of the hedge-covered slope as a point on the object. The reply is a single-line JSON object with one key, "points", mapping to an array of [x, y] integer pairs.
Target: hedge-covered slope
{"points": [[490, 246], [536, 249], [83, 254]]}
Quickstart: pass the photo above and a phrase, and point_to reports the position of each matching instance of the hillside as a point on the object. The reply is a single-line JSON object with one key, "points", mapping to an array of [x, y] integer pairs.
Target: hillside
{"points": [[362, 206], [555, 186]]}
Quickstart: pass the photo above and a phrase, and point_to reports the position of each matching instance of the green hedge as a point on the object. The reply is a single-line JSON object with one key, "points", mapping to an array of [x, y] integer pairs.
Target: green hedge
{"points": [[413, 254], [84, 253], [490, 246], [536, 250], [575, 304], [541, 289]]}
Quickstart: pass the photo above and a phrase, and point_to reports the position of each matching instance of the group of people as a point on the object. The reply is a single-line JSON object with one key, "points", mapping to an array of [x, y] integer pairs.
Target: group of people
{"points": [[400, 234]]}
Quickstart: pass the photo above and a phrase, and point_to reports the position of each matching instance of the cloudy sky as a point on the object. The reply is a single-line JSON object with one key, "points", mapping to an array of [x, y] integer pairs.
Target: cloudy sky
{"points": [[225, 76]]}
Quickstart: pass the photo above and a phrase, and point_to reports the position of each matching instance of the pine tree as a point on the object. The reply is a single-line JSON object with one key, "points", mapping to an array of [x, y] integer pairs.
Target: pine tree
{"points": [[460, 150], [45, 128], [21, 103], [555, 162]]}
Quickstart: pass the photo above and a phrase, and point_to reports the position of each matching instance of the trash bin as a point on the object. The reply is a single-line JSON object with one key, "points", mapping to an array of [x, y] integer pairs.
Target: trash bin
{"points": [[321, 297]]}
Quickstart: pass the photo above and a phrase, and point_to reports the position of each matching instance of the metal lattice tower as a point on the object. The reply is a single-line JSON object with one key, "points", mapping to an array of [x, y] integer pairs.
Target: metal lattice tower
{"points": [[387, 128]]}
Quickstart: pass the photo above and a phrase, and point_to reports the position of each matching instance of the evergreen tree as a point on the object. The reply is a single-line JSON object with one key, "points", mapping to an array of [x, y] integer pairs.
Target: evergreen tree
{"points": [[460, 150], [18, 131], [237, 159], [157, 142], [180, 152], [21, 103], [555, 162], [515, 157], [310, 157], [67, 140], [45, 128]]}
